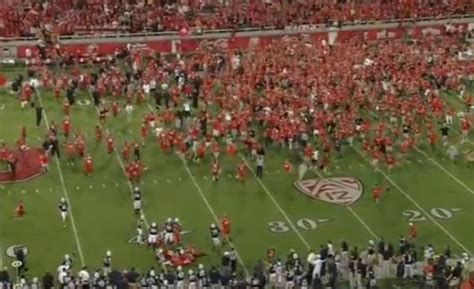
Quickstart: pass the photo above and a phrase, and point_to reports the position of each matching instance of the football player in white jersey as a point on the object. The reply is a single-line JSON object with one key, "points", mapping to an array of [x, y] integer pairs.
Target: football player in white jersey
{"points": [[169, 231], [63, 210], [180, 278], [137, 200], [215, 235], [140, 233], [192, 280], [153, 235]]}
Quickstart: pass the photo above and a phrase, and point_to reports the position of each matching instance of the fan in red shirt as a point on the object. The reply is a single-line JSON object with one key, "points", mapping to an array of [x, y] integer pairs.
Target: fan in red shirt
{"points": [[231, 149], [70, 152], [88, 165], [43, 158], [241, 172], [200, 152], [287, 167], [413, 231], [216, 170], [144, 132], [66, 126], [110, 145], [390, 160], [20, 209], [98, 133], [377, 192], [432, 138], [225, 226], [465, 126], [115, 109], [57, 93], [66, 107], [126, 150], [4, 152], [216, 149]]}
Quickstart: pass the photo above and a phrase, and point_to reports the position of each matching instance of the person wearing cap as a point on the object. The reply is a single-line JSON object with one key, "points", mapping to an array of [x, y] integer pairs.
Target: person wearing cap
{"points": [[107, 262]]}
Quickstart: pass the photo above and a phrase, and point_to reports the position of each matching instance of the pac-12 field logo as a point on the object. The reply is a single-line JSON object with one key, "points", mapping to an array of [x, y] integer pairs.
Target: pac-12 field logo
{"points": [[343, 191]]}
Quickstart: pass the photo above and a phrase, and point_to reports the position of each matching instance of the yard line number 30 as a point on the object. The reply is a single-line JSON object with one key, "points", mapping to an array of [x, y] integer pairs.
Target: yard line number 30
{"points": [[438, 213]]}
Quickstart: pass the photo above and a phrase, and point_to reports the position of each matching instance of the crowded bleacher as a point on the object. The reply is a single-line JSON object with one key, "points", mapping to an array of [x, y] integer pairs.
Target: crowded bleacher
{"points": [[67, 17]]}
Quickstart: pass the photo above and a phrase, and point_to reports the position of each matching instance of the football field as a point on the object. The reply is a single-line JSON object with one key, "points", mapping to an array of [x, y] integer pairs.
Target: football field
{"points": [[429, 190]]}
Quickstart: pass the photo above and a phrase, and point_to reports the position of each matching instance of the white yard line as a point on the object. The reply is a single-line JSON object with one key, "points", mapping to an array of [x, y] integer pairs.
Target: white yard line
{"points": [[361, 221], [211, 210], [427, 214], [275, 202], [441, 167], [121, 165], [65, 192]]}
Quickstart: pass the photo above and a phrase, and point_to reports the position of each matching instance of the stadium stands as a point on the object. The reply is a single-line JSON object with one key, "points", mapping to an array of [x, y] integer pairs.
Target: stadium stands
{"points": [[66, 17]]}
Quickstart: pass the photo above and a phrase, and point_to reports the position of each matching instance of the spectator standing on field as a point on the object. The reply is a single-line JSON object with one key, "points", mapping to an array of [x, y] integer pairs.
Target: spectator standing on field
{"points": [[260, 164]]}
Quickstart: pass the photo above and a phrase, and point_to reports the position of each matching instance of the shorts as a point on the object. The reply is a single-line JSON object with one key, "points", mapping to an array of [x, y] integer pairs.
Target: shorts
{"points": [[152, 239], [216, 242]]}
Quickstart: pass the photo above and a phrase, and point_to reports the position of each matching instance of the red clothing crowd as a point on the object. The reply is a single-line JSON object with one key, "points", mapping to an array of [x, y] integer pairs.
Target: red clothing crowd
{"points": [[65, 17]]}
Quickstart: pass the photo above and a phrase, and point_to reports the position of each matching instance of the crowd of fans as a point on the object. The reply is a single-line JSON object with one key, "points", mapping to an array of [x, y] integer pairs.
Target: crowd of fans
{"points": [[330, 266], [65, 17]]}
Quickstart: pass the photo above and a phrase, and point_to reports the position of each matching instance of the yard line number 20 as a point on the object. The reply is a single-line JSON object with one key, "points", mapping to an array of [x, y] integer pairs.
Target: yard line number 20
{"points": [[438, 213], [282, 227]]}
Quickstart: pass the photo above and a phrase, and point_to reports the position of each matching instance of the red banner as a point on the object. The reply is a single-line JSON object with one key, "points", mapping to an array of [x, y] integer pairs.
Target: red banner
{"points": [[185, 45]]}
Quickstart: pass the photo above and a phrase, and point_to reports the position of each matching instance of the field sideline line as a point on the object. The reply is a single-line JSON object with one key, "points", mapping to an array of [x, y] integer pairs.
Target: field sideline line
{"points": [[441, 167], [211, 210], [206, 202], [388, 178], [275, 202], [63, 184], [361, 221], [121, 165]]}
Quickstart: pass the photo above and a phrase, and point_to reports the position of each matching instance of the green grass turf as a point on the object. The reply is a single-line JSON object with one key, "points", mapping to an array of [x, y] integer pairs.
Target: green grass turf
{"points": [[104, 219]]}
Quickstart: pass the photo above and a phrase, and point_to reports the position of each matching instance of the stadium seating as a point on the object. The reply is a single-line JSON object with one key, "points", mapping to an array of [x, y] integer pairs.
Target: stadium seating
{"points": [[66, 17]]}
